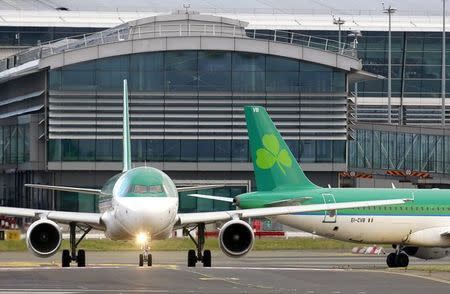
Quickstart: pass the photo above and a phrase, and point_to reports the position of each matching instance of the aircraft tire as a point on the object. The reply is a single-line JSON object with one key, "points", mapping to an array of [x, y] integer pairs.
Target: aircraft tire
{"points": [[207, 258], [149, 260], [192, 258], [81, 258], [402, 260], [391, 260], [141, 259], [65, 258]]}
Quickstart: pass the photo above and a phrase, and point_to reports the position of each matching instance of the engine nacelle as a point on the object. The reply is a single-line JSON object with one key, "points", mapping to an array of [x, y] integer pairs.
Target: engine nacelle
{"points": [[44, 238], [236, 238], [427, 252]]}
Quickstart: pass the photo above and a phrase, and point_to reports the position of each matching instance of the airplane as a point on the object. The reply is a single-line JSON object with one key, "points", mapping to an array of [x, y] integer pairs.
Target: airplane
{"points": [[419, 227], [141, 203]]}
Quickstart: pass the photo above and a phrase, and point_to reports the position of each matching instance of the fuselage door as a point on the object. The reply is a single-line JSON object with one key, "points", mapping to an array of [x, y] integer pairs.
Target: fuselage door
{"points": [[330, 215]]}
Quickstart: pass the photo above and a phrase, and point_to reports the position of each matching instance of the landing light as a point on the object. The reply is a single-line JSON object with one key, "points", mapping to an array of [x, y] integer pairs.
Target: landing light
{"points": [[142, 238]]}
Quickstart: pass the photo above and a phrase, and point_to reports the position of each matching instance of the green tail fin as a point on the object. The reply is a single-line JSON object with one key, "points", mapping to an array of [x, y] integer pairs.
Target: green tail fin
{"points": [[126, 130], [273, 162]]}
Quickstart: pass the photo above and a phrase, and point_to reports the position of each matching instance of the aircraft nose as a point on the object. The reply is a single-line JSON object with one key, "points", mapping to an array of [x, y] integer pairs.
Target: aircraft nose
{"points": [[150, 215]]}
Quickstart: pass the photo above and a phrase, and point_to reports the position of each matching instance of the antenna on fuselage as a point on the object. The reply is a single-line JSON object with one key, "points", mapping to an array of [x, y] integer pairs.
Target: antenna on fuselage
{"points": [[126, 130]]}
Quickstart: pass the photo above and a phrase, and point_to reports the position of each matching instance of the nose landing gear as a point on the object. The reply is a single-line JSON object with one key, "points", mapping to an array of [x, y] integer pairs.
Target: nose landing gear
{"points": [[146, 256], [397, 258], [200, 255]]}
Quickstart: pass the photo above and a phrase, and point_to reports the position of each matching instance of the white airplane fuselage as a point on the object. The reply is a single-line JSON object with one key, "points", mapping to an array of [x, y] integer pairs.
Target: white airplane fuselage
{"points": [[127, 214]]}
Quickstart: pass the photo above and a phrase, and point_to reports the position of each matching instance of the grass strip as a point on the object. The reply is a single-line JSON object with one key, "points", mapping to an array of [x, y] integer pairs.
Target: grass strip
{"points": [[178, 244]]}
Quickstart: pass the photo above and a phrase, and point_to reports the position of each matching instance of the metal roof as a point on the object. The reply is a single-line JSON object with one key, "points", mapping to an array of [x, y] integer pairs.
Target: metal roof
{"points": [[256, 21]]}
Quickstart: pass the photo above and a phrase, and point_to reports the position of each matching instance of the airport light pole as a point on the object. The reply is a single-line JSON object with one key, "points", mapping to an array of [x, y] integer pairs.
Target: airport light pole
{"points": [[339, 22], [390, 10], [443, 65], [355, 35]]}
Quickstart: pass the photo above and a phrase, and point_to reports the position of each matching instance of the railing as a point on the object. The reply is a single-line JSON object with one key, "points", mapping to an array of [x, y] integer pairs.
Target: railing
{"points": [[153, 30]]}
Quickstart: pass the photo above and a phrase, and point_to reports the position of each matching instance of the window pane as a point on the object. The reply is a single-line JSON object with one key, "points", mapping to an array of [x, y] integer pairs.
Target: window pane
{"points": [[324, 150], [282, 81], [239, 150], [205, 150], [104, 150], [155, 150], [117, 150], [248, 62], [69, 149], [138, 149], [249, 81], [86, 150], [146, 72], [171, 150], [339, 151], [275, 63], [188, 150], [307, 151], [54, 150], [222, 150]]}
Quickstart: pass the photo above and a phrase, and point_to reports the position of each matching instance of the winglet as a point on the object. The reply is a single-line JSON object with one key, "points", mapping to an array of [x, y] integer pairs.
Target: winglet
{"points": [[126, 130]]}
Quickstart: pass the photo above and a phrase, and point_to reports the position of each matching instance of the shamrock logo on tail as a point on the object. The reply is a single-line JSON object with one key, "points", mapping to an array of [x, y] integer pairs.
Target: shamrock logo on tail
{"points": [[270, 154]]}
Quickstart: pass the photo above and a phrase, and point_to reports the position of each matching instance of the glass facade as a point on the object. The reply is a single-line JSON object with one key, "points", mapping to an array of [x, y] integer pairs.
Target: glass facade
{"points": [[199, 71], [375, 149], [416, 61], [31, 36], [173, 150], [193, 101], [14, 144]]}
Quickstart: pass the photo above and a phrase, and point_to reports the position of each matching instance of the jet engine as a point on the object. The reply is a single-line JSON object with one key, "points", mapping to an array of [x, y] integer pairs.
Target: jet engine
{"points": [[44, 238], [236, 238], [427, 252]]}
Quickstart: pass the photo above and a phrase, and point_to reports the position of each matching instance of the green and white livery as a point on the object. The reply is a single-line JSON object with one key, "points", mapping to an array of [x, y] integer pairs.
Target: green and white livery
{"points": [[142, 203], [420, 227]]}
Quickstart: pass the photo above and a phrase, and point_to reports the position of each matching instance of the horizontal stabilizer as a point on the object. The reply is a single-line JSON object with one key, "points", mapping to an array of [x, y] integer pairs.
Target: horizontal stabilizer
{"points": [[218, 198], [196, 188], [65, 189]]}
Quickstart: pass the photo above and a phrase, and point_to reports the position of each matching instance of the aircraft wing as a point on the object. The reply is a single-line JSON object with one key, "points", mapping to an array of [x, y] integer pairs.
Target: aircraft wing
{"points": [[65, 189], [212, 217], [65, 217], [195, 188]]}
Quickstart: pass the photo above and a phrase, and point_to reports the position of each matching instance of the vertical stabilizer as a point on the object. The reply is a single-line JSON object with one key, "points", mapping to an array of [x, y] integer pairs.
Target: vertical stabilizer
{"points": [[126, 130], [273, 162]]}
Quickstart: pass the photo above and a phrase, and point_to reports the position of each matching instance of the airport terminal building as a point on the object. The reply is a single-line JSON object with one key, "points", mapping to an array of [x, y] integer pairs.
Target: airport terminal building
{"points": [[189, 77]]}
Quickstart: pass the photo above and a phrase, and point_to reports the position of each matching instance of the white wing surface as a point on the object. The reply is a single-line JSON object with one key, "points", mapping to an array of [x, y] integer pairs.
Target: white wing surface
{"points": [[93, 219], [211, 217]]}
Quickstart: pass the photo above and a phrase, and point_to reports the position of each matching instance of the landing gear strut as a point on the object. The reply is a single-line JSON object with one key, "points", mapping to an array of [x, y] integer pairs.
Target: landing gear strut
{"points": [[146, 256], [69, 256], [193, 256], [397, 258]]}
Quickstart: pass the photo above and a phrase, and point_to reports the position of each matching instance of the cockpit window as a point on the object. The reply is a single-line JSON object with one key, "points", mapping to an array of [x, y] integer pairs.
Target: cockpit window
{"points": [[142, 189]]}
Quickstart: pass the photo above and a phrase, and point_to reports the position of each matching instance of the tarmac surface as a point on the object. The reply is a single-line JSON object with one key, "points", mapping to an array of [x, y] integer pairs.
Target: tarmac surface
{"points": [[260, 272]]}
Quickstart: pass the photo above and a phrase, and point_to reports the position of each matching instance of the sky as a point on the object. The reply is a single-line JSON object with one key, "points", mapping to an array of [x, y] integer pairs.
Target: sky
{"points": [[343, 7]]}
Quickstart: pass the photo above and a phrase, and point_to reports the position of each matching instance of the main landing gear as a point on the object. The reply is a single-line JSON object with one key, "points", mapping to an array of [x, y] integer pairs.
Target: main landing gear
{"points": [[71, 255], [146, 256], [397, 258], [193, 256]]}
